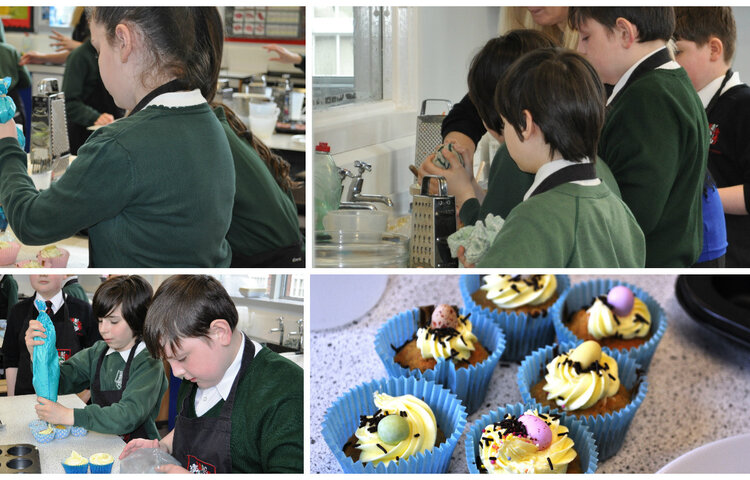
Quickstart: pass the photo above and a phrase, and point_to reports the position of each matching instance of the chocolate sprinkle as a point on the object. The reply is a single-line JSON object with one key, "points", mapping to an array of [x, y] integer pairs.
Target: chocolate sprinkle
{"points": [[416, 435], [381, 447], [551, 467], [612, 377]]}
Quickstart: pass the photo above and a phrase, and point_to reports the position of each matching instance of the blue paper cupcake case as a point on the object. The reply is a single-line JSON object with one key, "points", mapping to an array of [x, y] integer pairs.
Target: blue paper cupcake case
{"points": [[470, 383], [342, 419], [37, 425], [76, 468], [523, 334], [585, 446], [580, 296], [78, 431], [61, 433], [609, 430], [101, 468], [43, 437]]}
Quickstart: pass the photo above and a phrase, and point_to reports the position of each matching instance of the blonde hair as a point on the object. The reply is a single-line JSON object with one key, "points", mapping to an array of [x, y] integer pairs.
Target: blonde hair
{"points": [[513, 18]]}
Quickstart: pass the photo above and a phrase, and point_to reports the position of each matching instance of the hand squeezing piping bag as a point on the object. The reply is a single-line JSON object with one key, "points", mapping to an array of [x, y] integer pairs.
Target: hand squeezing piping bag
{"points": [[8, 109]]}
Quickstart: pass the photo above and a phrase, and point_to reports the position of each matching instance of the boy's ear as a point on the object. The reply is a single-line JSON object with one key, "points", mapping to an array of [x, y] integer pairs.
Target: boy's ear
{"points": [[529, 127], [221, 331], [625, 32], [716, 48]]}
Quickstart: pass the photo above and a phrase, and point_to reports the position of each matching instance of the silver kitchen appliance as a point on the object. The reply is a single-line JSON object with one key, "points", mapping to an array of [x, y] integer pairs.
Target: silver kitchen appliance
{"points": [[50, 148], [428, 130], [433, 219]]}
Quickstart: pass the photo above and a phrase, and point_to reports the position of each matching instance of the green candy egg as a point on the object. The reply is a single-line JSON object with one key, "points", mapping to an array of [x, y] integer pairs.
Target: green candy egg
{"points": [[392, 429]]}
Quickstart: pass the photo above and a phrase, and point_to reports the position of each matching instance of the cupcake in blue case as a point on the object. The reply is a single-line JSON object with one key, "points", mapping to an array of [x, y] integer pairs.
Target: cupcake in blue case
{"points": [[78, 431], [44, 435], [443, 344], [394, 425], [36, 425], [75, 463], [519, 439], [603, 390], [619, 316], [523, 306], [101, 463], [61, 431]]}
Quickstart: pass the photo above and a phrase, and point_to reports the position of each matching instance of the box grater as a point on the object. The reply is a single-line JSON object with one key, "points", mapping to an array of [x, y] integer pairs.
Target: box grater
{"points": [[433, 219], [428, 131], [50, 148]]}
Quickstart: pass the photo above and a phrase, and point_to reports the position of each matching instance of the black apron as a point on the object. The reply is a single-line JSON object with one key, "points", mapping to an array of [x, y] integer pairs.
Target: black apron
{"points": [[105, 398], [67, 344], [202, 444], [571, 173], [290, 256]]}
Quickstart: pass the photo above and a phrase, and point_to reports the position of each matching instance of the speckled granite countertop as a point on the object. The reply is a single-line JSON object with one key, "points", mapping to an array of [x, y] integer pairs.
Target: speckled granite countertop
{"points": [[697, 379]]}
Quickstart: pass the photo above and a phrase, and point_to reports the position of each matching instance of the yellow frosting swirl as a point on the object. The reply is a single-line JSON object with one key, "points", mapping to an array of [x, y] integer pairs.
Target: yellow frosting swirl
{"points": [[513, 291], [447, 343], [604, 323], [76, 459], [101, 459], [507, 452], [422, 429], [576, 388], [50, 252]]}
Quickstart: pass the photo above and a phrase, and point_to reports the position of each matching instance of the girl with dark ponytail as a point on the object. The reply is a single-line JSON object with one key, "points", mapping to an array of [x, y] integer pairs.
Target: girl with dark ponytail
{"points": [[156, 188], [265, 230]]}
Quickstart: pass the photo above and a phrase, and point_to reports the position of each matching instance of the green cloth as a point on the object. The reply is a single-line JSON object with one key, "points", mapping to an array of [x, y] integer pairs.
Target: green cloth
{"points": [[85, 96], [19, 75], [264, 217], [154, 190], [507, 184], [267, 418], [141, 399], [569, 226], [655, 140], [8, 295], [75, 290]]}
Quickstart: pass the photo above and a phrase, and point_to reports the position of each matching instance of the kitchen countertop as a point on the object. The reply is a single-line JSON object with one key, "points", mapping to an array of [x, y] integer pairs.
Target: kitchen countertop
{"points": [[697, 381], [77, 245], [17, 412]]}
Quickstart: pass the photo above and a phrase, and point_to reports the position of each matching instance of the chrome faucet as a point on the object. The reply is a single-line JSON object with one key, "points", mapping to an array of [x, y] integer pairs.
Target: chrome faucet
{"points": [[300, 332], [354, 194], [279, 329]]}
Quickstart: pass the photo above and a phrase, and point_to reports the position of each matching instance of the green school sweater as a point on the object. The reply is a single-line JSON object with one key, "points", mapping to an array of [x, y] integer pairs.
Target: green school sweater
{"points": [[507, 184], [267, 418], [19, 75], [655, 140], [570, 226], [86, 98], [154, 189], [264, 218], [140, 401]]}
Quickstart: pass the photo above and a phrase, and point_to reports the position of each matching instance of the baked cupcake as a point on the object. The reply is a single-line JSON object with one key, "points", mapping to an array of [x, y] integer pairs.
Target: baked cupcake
{"points": [[75, 463], [617, 315], [78, 431], [53, 257], [62, 431], [445, 345], [516, 439], [394, 426], [44, 435], [522, 305], [28, 264], [101, 463], [603, 391], [9, 252]]}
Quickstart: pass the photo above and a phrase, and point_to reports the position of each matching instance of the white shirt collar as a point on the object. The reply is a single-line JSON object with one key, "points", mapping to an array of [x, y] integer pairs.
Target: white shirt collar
{"points": [[707, 93], [551, 167], [124, 354], [671, 65], [178, 99], [57, 301]]}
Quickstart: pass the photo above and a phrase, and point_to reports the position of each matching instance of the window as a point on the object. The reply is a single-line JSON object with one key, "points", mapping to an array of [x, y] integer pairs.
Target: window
{"points": [[265, 287], [348, 45]]}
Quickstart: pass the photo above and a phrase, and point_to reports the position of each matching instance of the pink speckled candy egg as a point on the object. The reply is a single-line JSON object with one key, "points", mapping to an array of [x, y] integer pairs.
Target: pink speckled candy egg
{"points": [[537, 430], [621, 298], [444, 316]]}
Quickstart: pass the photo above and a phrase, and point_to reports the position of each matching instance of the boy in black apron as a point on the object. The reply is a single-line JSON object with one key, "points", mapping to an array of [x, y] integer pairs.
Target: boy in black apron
{"points": [[127, 384], [240, 404], [569, 218], [74, 322]]}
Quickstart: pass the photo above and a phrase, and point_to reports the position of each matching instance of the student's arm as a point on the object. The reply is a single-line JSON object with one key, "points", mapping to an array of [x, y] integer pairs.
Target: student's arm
{"points": [[77, 70], [733, 200], [142, 393], [281, 447], [77, 372], [10, 375], [70, 204], [463, 118]]}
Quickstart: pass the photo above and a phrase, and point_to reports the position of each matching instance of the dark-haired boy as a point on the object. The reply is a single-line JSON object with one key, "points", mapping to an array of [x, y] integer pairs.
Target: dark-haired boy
{"points": [[705, 39], [654, 138], [569, 217], [240, 404]]}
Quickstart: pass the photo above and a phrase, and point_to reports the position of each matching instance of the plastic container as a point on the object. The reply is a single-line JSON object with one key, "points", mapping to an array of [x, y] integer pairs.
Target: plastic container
{"points": [[264, 124], [327, 184], [356, 220], [337, 249]]}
